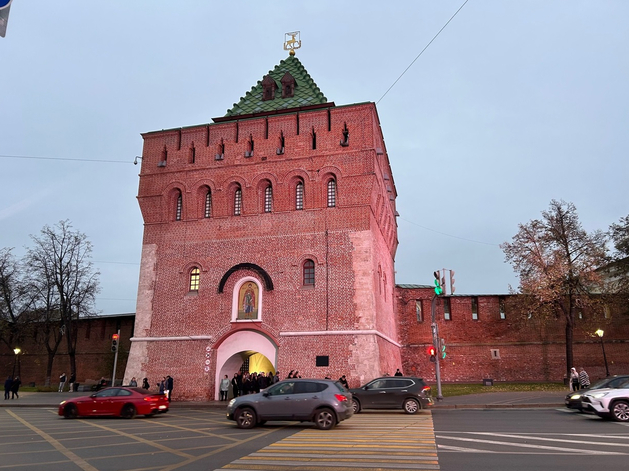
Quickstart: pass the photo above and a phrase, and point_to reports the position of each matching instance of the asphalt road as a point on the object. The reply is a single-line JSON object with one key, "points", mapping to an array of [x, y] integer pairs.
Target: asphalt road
{"points": [[496, 435], [529, 439]]}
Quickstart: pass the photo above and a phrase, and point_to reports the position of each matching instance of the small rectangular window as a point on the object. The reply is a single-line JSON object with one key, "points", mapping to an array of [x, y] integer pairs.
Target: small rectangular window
{"points": [[502, 310], [418, 310], [446, 309], [607, 312], [495, 354], [323, 360], [474, 308]]}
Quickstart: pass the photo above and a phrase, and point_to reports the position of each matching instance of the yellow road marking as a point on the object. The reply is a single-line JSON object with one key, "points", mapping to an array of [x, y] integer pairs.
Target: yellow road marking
{"points": [[140, 439], [80, 462]]}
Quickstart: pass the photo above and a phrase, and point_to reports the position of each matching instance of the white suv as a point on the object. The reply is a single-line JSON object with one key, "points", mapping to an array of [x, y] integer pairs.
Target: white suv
{"points": [[612, 403]]}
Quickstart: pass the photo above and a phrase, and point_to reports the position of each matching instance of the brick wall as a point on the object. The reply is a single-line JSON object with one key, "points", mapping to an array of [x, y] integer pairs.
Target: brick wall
{"points": [[352, 245]]}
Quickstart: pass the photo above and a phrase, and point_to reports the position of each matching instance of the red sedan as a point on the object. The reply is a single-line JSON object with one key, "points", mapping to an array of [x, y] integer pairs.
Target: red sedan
{"points": [[118, 402]]}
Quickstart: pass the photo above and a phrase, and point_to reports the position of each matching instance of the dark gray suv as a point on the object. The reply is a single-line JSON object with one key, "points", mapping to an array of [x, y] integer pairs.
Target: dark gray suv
{"points": [[324, 402], [393, 392]]}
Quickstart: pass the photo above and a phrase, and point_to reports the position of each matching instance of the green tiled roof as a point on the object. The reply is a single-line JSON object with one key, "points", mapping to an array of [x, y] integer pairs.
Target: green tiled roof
{"points": [[306, 91]]}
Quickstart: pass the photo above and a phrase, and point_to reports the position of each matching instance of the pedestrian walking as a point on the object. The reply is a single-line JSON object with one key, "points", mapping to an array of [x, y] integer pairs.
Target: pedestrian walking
{"points": [[145, 384], [15, 386], [224, 388], [72, 381], [574, 379], [584, 379], [62, 381], [7, 386]]}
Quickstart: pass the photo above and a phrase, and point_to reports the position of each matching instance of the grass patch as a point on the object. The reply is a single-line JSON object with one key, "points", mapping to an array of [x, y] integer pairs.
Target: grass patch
{"points": [[449, 390]]}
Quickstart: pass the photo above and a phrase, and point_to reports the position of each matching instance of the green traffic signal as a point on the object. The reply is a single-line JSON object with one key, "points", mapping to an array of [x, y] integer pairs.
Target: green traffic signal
{"points": [[438, 289]]}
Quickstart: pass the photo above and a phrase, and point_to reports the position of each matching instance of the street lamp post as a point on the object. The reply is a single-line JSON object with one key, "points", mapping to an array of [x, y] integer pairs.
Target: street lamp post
{"points": [[17, 351], [600, 333]]}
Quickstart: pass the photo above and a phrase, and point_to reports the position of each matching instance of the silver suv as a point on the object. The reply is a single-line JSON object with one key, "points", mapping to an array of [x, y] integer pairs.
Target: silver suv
{"points": [[324, 402]]}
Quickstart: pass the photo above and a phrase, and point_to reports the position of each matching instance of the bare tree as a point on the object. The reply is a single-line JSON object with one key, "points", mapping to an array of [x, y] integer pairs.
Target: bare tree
{"points": [[14, 299], [557, 262], [61, 258]]}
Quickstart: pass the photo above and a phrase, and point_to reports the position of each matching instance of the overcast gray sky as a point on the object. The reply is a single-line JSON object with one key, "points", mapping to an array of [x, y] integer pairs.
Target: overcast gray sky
{"points": [[513, 105]]}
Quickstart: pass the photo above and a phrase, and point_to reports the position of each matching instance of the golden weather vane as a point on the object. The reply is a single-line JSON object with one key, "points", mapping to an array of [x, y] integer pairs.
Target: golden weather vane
{"points": [[292, 41]]}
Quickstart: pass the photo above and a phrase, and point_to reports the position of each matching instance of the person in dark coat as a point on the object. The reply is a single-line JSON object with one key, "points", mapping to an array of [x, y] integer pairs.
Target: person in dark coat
{"points": [[7, 386], [169, 386], [15, 386], [398, 373], [235, 387], [343, 381], [145, 384]]}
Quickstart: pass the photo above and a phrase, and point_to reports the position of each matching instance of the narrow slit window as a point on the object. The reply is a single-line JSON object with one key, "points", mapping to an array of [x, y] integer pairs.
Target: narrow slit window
{"points": [[474, 308], [332, 193], [309, 273], [194, 279], [299, 196], [237, 202], [314, 139], [502, 310], [193, 154], [268, 199], [208, 204], [179, 207]]}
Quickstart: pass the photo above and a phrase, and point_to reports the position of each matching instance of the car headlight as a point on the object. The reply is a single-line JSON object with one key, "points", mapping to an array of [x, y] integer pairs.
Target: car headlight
{"points": [[231, 403], [598, 395], [575, 396], [62, 403]]}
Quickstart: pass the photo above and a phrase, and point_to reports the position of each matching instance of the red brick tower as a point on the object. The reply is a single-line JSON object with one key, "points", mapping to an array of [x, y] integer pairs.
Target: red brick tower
{"points": [[269, 241]]}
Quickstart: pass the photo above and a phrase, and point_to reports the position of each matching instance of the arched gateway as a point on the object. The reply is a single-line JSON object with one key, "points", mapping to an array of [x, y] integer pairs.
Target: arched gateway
{"points": [[244, 346]]}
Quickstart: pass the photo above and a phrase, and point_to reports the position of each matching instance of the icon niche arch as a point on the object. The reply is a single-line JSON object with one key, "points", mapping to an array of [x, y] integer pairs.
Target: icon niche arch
{"points": [[247, 295]]}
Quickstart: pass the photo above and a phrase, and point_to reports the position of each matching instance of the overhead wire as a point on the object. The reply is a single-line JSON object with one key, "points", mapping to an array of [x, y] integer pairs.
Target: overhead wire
{"points": [[422, 51], [64, 158]]}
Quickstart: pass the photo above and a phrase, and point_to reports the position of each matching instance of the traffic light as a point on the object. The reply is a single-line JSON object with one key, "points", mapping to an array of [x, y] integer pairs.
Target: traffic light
{"points": [[432, 351], [438, 288], [114, 342], [443, 348], [451, 281]]}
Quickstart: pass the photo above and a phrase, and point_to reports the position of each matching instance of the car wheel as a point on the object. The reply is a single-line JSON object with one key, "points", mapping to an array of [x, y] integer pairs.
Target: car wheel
{"points": [[70, 412], [620, 411], [324, 419], [411, 406], [245, 418], [128, 411], [356, 406]]}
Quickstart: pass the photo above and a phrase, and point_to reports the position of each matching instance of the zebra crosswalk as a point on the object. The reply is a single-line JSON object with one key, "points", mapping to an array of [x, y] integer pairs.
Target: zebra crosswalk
{"points": [[393, 441]]}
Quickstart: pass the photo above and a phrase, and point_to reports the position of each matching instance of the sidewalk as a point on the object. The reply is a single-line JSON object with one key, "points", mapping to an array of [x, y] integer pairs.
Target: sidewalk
{"points": [[528, 399]]}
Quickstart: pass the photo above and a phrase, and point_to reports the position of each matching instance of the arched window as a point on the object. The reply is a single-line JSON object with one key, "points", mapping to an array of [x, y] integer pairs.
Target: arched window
{"points": [[208, 204], [178, 207], [331, 193], [309, 273], [268, 199], [194, 279], [237, 202], [299, 196]]}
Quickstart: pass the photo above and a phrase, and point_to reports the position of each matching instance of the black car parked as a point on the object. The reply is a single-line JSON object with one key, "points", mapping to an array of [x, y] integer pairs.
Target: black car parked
{"points": [[574, 399], [393, 392]]}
